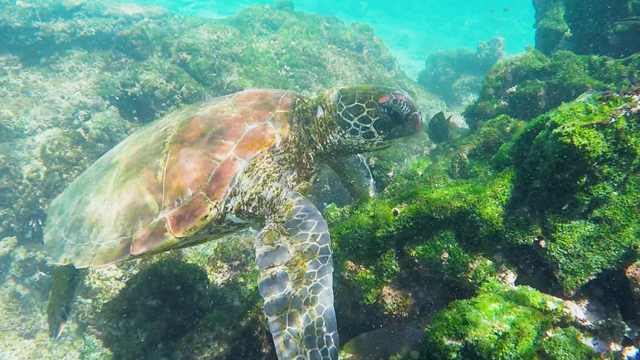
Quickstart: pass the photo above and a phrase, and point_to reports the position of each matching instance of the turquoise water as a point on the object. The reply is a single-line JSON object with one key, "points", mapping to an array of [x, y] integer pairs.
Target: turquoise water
{"points": [[411, 29]]}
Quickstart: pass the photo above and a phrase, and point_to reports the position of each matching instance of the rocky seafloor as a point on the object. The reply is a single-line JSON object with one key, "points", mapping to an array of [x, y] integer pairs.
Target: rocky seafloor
{"points": [[516, 238]]}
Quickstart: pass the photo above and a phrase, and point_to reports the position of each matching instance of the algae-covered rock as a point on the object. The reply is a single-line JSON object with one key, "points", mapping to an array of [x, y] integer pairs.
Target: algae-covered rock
{"points": [[234, 326], [588, 26], [603, 28], [457, 75], [158, 306], [530, 84], [440, 230], [551, 27], [577, 168], [507, 322]]}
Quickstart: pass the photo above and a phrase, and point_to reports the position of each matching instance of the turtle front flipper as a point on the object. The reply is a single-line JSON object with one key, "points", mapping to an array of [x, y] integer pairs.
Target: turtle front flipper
{"points": [[355, 176], [295, 262]]}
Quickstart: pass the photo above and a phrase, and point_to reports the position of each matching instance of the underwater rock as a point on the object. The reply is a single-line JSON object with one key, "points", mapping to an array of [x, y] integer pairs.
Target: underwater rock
{"points": [[527, 85], [235, 326], [610, 28], [561, 211], [157, 307], [576, 168], [586, 27], [456, 75], [508, 322], [551, 28]]}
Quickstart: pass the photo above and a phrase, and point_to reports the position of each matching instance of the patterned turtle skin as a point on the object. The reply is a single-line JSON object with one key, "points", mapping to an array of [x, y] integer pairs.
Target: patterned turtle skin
{"points": [[224, 164]]}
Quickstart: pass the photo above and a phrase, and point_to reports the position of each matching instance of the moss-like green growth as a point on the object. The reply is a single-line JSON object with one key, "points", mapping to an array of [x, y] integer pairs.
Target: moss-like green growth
{"points": [[441, 228], [157, 307], [577, 168], [445, 214], [503, 323], [443, 255], [486, 142], [531, 84]]}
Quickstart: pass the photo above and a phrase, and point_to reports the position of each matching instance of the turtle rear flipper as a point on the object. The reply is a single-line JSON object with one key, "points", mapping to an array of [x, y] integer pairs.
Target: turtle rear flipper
{"points": [[295, 262], [65, 282]]}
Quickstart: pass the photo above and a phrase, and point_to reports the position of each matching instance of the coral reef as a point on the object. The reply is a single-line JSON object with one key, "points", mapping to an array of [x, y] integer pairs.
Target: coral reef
{"points": [[456, 75]]}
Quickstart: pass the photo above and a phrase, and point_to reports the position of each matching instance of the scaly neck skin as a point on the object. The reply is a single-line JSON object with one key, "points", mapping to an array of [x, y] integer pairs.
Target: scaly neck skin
{"points": [[314, 137], [316, 129]]}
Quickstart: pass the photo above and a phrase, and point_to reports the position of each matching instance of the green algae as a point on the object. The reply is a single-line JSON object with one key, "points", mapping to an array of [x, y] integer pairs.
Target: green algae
{"points": [[443, 254], [504, 322], [576, 166], [462, 218], [445, 213], [530, 84]]}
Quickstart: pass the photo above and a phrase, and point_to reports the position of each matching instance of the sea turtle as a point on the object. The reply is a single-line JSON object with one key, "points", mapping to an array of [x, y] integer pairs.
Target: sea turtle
{"points": [[224, 164]]}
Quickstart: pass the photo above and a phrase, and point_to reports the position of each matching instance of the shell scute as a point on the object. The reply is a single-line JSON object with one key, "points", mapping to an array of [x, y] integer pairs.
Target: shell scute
{"points": [[190, 216], [150, 238], [160, 185], [187, 170], [254, 141], [218, 184]]}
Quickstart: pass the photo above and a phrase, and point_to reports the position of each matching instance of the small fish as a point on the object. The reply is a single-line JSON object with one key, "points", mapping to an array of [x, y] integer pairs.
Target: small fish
{"points": [[506, 10], [381, 344], [438, 129], [65, 282]]}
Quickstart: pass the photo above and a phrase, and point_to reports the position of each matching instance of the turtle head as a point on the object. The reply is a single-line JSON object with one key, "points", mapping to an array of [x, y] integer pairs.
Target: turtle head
{"points": [[372, 116]]}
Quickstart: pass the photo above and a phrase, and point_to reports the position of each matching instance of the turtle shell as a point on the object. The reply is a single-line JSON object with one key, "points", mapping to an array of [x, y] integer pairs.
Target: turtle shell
{"points": [[165, 181]]}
